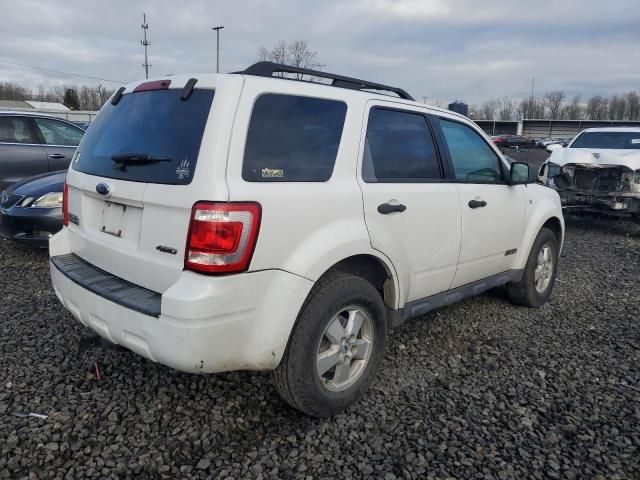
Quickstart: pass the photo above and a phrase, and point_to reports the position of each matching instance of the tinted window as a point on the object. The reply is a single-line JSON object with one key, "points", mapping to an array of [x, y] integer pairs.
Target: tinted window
{"points": [[473, 160], [155, 123], [399, 148], [608, 140], [58, 133], [293, 139], [16, 130]]}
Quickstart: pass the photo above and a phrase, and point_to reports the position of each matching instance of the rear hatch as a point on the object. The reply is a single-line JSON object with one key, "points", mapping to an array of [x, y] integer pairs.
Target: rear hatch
{"points": [[131, 183]]}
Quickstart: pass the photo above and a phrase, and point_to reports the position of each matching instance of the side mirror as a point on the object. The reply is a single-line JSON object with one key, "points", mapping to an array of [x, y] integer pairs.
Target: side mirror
{"points": [[519, 173], [555, 146]]}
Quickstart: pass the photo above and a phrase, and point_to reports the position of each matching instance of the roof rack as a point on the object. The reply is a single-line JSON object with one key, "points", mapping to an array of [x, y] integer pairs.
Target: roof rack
{"points": [[267, 69]]}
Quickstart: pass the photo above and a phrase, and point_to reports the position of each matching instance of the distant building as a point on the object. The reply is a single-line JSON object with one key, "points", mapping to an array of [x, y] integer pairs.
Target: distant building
{"points": [[13, 104], [459, 107], [47, 105], [32, 105]]}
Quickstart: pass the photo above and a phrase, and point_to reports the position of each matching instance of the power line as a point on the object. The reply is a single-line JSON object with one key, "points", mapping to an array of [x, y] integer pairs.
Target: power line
{"points": [[60, 71]]}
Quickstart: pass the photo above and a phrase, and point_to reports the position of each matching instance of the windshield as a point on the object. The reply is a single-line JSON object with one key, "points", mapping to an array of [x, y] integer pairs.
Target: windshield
{"points": [[157, 124], [608, 140]]}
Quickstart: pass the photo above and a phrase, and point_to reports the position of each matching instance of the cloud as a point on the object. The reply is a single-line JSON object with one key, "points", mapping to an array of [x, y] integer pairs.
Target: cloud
{"points": [[442, 49]]}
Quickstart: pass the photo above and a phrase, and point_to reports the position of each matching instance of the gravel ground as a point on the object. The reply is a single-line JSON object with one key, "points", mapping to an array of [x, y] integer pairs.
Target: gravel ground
{"points": [[481, 389]]}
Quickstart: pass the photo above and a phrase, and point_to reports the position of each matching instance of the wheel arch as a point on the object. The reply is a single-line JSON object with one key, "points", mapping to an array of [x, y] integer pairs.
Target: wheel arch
{"points": [[555, 225], [373, 269], [545, 219]]}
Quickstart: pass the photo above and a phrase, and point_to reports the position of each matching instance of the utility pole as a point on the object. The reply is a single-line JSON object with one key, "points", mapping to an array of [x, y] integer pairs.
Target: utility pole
{"points": [[217, 29], [145, 44], [533, 81]]}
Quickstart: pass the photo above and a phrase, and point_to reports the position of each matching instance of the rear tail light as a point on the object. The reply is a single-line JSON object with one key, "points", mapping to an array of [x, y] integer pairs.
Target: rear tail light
{"points": [[65, 204], [222, 237]]}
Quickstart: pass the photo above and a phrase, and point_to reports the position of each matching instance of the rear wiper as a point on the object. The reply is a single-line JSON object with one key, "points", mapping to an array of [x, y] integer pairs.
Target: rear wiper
{"points": [[123, 159]]}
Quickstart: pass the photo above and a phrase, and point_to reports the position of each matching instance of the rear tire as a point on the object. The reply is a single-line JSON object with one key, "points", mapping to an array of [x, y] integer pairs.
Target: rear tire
{"points": [[336, 346], [539, 276]]}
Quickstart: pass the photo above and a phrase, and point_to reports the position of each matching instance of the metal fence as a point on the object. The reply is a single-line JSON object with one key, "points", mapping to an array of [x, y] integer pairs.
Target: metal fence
{"points": [[568, 128], [536, 128], [499, 127]]}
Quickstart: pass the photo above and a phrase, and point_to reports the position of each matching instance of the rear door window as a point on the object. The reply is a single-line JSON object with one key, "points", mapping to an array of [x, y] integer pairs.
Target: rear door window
{"points": [[16, 130], [293, 139], [399, 148], [156, 124], [58, 133]]}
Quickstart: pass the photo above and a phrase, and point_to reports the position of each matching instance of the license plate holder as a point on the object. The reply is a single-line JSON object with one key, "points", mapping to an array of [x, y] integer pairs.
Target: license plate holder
{"points": [[112, 219]]}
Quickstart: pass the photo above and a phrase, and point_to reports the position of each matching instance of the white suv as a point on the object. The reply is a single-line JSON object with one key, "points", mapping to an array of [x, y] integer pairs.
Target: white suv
{"points": [[252, 222]]}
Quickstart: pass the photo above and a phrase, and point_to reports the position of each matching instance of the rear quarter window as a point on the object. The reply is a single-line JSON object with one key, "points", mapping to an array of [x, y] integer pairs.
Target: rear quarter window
{"points": [[293, 139]]}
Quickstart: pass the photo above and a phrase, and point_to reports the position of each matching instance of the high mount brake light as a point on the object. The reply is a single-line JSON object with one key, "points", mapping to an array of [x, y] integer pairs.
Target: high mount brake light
{"points": [[65, 204], [222, 237], [154, 85]]}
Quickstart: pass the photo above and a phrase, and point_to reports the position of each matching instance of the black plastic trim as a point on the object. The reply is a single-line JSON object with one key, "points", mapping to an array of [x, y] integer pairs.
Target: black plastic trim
{"points": [[188, 89], [267, 69], [108, 286], [118, 96], [425, 305]]}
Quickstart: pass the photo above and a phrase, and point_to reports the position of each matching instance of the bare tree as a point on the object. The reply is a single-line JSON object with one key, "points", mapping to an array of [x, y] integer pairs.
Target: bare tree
{"points": [[296, 53], [597, 108], [474, 112], [11, 91], [488, 109], [278, 54], [507, 109], [573, 109], [82, 98], [530, 107], [617, 107], [103, 94], [300, 55], [633, 105], [553, 100]]}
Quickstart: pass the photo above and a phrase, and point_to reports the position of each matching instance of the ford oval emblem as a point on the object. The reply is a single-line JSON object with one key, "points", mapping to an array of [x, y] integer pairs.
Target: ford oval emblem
{"points": [[103, 189]]}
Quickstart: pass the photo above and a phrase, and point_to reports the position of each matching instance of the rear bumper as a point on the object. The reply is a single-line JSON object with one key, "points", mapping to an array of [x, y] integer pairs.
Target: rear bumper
{"points": [[206, 324]]}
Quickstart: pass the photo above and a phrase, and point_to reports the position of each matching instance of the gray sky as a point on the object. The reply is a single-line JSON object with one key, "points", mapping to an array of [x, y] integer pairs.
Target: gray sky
{"points": [[443, 49]]}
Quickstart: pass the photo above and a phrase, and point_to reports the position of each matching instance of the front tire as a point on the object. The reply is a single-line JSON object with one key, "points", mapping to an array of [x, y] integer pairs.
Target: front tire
{"points": [[336, 347], [539, 276]]}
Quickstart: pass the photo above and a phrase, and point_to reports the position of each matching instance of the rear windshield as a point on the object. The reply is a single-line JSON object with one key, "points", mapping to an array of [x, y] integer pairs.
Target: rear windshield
{"points": [[157, 124], [608, 140]]}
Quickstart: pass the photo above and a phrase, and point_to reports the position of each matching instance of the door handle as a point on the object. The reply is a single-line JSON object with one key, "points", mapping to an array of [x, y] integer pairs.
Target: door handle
{"points": [[385, 208], [56, 155], [477, 203]]}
